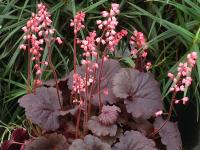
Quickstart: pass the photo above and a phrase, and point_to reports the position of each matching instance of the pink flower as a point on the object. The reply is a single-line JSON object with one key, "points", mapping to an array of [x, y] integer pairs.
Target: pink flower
{"points": [[158, 113], [37, 82], [138, 40], [185, 100], [148, 65], [38, 31], [191, 58], [183, 78], [58, 39], [170, 75], [134, 52], [144, 54], [22, 46], [77, 23], [104, 13]]}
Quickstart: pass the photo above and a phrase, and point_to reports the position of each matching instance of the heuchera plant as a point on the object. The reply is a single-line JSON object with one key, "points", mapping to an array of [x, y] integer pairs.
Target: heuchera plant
{"points": [[99, 105]]}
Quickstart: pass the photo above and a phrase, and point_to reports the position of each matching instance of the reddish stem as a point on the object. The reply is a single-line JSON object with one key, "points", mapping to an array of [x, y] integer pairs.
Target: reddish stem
{"points": [[169, 114], [99, 83], [54, 75], [99, 79], [94, 79], [75, 35], [29, 69], [86, 100], [92, 89], [78, 122]]}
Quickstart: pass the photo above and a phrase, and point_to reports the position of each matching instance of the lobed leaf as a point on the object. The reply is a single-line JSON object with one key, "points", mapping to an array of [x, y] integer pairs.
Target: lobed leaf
{"points": [[48, 142], [134, 140], [89, 143], [169, 134], [140, 91], [42, 108], [99, 129]]}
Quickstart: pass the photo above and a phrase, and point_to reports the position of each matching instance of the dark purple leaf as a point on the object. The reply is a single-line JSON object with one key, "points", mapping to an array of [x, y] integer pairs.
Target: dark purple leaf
{"points": [[89, 143], [48, 142], [134, 140], [8, 145], [99, 129], [140, 91], [169, 134], [109, 114], [63, 87], [42, 108]]}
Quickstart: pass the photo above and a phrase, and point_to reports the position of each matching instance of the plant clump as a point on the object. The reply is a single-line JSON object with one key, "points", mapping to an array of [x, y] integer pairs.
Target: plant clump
{"points": [[100, 98]]}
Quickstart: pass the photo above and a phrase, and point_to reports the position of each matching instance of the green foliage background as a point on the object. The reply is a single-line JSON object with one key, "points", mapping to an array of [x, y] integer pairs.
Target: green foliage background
{"points": [[171, 26]]}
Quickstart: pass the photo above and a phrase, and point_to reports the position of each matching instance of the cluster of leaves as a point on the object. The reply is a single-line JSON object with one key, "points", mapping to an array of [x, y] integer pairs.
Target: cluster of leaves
{"points": [[136, 93]]}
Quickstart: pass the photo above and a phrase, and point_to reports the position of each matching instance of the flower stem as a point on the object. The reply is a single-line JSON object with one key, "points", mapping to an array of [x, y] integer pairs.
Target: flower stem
{"points": [[29, 69], [78, 122], [86, 99], [54, 75], [99, 78], [94, 77], [169, 114], [75, 58]]}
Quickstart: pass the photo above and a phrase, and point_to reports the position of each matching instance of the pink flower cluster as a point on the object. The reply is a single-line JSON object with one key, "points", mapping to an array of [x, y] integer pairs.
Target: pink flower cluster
{"points": [[109, 26], [38, 31], [139, 47], [111, 22], [138, 41], [115, 39], [79, 83], [89, 47], [77, 23], [183, 78], [91, 42]]}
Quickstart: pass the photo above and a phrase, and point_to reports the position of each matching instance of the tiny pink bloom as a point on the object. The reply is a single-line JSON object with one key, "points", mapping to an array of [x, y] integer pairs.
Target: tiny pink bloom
{"points": [[105, 91], [134, 51], [170, 75], [39, 72], [177, 101], [98, 21], [144, 54], [185, 100], [58, 39], [158, 113], [98, 39], [22, 46]]}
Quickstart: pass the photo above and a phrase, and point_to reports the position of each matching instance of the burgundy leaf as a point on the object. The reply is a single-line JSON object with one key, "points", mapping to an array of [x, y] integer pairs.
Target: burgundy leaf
{"points": [[9, 145], [134, 140], [42, 108], [63, 87], [48, 142], [109, 114], [140, 91], [169, 134], [20, 135], [89, 143], [99, 129]]}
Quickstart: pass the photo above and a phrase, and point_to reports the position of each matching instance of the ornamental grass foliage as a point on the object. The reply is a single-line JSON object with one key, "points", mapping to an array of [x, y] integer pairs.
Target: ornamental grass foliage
{"points": [[100, 104]]}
